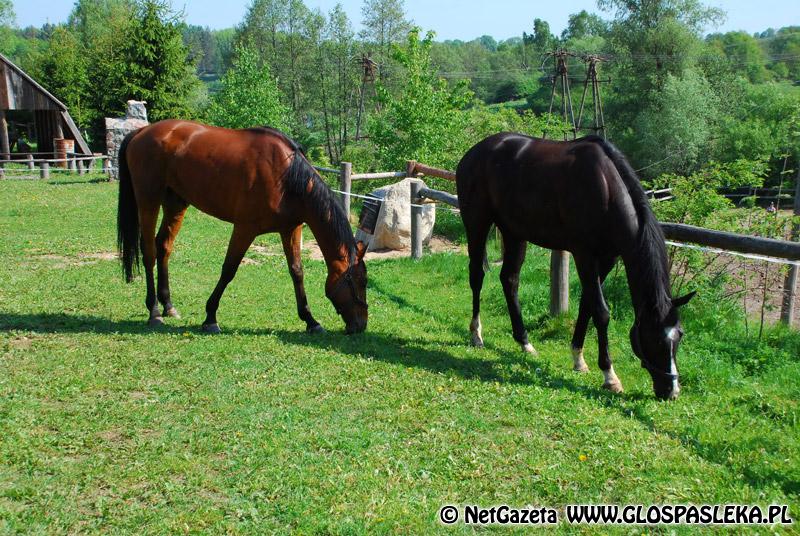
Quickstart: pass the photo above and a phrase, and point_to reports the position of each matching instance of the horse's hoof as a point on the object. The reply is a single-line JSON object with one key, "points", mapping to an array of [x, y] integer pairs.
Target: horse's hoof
{"points": [[615, 387], [155, 321], [529, 349], [580, 368], [172, 313], [477, 343], [316, 329], [211, 329]]}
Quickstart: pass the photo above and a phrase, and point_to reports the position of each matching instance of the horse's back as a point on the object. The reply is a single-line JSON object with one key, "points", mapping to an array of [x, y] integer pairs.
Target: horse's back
{"points": [[556, 194], [228, 174]]}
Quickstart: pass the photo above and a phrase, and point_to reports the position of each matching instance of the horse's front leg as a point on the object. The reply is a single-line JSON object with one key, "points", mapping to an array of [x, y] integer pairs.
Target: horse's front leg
{"points": [[592, 273], [241, 239], [291, 247]]}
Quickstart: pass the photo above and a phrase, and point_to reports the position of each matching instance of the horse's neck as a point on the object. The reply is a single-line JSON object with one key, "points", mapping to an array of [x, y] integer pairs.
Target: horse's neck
{"points": [[646, 293], [334, 251]]}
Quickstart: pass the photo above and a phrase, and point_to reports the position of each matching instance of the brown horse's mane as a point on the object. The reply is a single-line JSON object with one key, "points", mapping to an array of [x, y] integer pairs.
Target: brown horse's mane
{"points": [[320, 198], [652, 269]]}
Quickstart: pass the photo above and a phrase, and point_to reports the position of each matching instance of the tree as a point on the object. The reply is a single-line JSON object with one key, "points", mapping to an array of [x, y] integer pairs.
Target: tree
{"points": [[584, 24], [249, 95], [424, 121], [157, 68], [743, 53], [652, 41], [384, 24], [63, 70], [676, 130]]}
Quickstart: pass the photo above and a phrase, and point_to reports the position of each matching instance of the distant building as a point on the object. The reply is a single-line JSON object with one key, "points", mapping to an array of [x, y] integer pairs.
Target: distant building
{"points": [[27, 109]]}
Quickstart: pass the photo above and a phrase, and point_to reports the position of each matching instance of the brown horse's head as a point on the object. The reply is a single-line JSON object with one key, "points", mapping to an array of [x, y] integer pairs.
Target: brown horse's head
{"points": [[347, 291], [656, 345]]}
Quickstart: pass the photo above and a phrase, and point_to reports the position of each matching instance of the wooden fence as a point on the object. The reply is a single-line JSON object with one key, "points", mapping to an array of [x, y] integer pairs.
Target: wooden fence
{"points": [[73, 162], [559, 260]]}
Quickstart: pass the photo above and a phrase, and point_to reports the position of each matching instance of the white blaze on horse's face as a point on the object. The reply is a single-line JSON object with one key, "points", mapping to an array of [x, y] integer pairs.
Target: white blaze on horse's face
{"points": [[674, 336]]}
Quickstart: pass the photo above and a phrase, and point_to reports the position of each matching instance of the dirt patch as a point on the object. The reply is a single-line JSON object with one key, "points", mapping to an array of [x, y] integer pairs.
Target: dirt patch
{"points": [[81, 259], [112, 436], [438, 244], [20, 343], [747, 280]]}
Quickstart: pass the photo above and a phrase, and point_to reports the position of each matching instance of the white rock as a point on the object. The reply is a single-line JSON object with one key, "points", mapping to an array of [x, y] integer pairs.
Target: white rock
{"points": [[393, 230]]}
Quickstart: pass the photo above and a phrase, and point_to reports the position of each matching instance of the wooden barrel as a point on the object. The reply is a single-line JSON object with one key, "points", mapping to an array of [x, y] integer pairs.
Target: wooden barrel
{"points": [[63, 147]]}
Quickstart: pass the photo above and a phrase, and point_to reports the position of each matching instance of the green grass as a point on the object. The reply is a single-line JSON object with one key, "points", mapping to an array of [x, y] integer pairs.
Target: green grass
{"points": [[107, 426]]}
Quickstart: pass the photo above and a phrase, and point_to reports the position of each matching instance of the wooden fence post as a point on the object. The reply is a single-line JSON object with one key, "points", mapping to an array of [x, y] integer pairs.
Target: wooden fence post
{"points": [[416, 220], [790, 284], [345, 184], [31, 165], [81, 167], [559, 282], [107, 167], [71, 163], [44, 170]]}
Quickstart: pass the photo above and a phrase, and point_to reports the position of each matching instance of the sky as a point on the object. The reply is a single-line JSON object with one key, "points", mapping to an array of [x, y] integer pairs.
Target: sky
{"points": [[450, 19]]}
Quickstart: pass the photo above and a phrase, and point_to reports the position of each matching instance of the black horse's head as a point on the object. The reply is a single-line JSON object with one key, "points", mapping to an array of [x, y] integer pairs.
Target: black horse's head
{"points": [[348, 292], [656, 343]]}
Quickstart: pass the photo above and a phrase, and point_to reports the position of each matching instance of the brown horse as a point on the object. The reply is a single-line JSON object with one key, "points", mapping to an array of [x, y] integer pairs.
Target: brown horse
{"points": [[581, 196], [257, 179]]}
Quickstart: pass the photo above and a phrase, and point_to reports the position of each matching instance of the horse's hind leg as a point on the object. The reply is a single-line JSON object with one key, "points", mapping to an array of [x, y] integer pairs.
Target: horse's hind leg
{"points": [[291, 247], [477, 232], [513, 257], [241, 239], [174, 210], [148, 215]]}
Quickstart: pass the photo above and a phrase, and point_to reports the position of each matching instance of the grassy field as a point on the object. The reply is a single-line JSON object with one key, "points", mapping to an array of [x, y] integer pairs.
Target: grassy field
{"points": [[107, 426]]}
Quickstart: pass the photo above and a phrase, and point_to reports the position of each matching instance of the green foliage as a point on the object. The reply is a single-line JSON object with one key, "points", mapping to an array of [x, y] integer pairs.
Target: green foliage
{"points": [[422, 121], [678, 127], [248, 96], [697, 196], [63, 70], [157, 69]]}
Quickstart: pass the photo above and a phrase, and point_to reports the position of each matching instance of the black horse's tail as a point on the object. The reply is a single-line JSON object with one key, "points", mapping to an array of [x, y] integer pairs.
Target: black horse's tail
{"points": [[127, 216]]}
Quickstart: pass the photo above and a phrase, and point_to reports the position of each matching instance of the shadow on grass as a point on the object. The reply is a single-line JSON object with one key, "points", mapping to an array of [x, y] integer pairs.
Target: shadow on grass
{"points": [[413, 353], [68, 182]]}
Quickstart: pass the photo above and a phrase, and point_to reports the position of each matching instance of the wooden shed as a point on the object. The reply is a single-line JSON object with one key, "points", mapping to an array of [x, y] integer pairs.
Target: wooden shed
{"points": [[21, 93]]}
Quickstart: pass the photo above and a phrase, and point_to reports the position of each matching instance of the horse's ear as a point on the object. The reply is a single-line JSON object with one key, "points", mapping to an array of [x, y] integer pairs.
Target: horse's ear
{"points": [[361, 249], [683, 300]]}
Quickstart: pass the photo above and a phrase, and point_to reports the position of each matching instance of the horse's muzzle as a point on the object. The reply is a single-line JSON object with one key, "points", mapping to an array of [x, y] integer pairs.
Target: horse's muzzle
{"points": [[355, 327], [670, 393]]}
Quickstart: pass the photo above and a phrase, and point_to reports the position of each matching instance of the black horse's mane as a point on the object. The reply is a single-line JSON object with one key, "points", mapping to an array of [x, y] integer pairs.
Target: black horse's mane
{"points": [[652, 269], [322, 200]]}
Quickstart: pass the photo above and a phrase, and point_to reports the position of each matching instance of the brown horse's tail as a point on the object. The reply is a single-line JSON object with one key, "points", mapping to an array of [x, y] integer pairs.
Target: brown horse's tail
{"points": [[128, 243]]}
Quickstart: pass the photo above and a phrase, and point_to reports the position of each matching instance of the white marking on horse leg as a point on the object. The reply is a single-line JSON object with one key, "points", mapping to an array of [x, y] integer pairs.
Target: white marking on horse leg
{"points": [[528, 348], [612, 383], [578, 363], [676, 386], [475, 329]]}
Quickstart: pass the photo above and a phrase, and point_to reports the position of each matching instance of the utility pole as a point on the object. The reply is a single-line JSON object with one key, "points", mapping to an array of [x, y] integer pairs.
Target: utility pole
{"points": [[561, 77], [368, 68], [599, 126]]}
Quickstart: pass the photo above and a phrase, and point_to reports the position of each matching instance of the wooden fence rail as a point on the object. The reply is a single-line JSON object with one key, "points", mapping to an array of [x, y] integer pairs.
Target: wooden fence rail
{"points": [[74, 163]]}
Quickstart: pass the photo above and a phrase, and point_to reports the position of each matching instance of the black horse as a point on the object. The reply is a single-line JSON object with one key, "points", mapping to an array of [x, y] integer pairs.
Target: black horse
{"points": [[580, 196]]}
